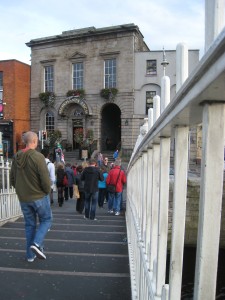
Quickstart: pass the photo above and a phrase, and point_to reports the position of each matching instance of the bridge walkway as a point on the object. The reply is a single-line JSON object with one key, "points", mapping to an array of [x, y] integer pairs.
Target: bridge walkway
{"points": [[85, 259]]}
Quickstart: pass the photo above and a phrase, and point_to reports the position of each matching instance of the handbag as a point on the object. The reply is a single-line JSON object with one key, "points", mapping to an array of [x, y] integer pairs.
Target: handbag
{"points": [[76, 191], [112, 187]]}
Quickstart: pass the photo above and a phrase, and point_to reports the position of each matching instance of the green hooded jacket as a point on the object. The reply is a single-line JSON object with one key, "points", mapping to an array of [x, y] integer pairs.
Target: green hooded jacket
{"points": [[29, 175]]}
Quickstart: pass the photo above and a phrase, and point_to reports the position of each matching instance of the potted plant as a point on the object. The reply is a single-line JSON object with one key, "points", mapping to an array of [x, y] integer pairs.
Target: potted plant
{"points": [[48, 98], [76, 93], [85, 139], [109, 93]]}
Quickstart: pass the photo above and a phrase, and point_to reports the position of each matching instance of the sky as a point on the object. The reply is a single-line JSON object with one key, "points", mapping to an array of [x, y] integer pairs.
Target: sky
{"points": [[163, 23]]}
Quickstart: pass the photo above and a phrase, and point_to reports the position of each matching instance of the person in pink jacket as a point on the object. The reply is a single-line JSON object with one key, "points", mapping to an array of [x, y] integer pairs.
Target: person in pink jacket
{"points": [[118, 178]]}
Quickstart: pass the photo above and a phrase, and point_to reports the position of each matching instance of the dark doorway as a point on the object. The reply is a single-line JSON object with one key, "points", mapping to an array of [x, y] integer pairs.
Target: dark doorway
{"points": [[111, 127], [77, 133]]}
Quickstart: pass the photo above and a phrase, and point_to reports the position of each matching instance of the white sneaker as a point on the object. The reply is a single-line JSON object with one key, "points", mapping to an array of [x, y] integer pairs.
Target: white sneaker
{"points": [[117, 213]]}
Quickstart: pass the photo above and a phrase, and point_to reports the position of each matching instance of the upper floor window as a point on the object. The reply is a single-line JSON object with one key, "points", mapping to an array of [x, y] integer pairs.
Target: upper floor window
{"points": [[149, 100], [151, 67], [49, 79], [49, 121], [78, 76], [110, 73]]}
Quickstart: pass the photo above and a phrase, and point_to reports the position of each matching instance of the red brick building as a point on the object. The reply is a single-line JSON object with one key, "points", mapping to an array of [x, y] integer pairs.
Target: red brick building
{"points": [[15, 97]]}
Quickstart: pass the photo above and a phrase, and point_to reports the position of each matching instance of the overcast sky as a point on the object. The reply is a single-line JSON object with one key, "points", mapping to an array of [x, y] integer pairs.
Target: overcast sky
{"points": [[163, 23]]}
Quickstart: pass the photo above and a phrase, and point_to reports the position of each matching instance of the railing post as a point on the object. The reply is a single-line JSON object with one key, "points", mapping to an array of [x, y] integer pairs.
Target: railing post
{"points": [[155, 205], [163, 213], [179, 211], [149, 204], [211, 192]]}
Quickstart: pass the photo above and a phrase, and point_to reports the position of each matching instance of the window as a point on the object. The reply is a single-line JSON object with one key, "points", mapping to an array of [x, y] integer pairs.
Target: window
{"points": [[149, 100], [49, 121], [49, 82], [110, 73], [78, 75], [151, 68]]}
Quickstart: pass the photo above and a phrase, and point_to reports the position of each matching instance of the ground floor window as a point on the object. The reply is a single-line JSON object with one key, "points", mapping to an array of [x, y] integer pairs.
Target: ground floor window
{"points": [[49, 121]]}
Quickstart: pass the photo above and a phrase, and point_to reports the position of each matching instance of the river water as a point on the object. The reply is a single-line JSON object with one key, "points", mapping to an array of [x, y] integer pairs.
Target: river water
{"points": [[189, 270]]}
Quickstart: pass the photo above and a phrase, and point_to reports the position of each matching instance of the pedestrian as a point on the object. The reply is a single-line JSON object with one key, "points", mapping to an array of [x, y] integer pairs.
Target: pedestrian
{"points": [[116, 154], [106, 164], [29, 176], [102, 188], [74, 168], [80, 184], [60, 174], [51, 170], [71, 182], [116, 177], [91, 175], [100, 159]]}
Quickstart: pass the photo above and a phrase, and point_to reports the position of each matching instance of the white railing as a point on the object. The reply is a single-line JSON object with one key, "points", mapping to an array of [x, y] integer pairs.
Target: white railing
{"points": [[9, 204], [200, 100]]}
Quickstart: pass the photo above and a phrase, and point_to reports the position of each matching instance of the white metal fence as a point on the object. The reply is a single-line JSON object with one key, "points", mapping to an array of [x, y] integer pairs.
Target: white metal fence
{"points": [[200, 100], [9, 203]]}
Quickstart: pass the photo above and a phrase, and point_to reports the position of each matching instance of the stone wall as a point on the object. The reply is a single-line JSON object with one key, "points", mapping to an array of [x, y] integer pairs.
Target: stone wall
{"points": [[192, 212]]}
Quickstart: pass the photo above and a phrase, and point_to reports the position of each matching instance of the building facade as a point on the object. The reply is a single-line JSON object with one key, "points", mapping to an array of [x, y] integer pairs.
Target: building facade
{"points": [[96, 80], [14, 104]]}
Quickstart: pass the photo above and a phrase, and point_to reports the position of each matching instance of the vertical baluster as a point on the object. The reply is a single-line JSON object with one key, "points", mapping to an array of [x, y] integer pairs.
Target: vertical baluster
{"points": [[155, 204], [211, 192], [179, 211], [163, 213], [149, 204]]}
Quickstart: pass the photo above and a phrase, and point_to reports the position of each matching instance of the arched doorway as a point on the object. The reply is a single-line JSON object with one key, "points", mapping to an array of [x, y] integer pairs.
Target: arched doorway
{"points": [[110, 127]]}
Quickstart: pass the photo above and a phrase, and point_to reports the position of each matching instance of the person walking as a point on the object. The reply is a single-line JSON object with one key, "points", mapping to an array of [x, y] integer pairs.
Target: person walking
{"points": [[51, 170], [116, 154], [71, 182], [91, 175], [80, 184], [30, 177], [117, 177], [102, 188], [60, 173]]}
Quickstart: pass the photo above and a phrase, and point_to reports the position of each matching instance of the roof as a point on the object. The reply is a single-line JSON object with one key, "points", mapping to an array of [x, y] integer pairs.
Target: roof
{"points": [[85, 32]]}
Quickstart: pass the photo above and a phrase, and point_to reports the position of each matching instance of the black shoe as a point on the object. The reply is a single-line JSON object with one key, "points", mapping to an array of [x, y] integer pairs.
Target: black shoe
{"points": [[38, 251]]}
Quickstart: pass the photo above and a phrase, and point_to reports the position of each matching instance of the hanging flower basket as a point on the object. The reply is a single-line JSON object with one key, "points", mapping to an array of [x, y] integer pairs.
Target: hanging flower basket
{"points": [[76, 93], [48, 98], [109, 94]]}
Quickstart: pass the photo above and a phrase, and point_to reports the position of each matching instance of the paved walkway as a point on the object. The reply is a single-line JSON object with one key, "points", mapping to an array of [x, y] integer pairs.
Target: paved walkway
{"points": [[85, 259]]}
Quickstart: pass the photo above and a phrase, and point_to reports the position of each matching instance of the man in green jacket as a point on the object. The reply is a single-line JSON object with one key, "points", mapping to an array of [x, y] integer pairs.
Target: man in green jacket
{"points": [[29, 176]]}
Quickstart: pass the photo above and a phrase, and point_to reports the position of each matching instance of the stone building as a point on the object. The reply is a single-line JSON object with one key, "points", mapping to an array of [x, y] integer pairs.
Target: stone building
{"points": [[15, 102], [99, 80]]}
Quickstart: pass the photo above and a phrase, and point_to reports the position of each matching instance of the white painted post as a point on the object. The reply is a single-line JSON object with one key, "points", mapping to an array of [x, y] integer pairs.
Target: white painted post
{"points": [[144, 196], [181, 65], [214, 20], [150, 118], [210, 206], [163, 213], [165, 93], [156, 108], [179, 211], [149, 204], [155, 204]]}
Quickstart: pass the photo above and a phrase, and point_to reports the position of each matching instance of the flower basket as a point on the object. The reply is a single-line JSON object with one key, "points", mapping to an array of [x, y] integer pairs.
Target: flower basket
{"points": [[48, 98], [109, 94], [76, 93]]}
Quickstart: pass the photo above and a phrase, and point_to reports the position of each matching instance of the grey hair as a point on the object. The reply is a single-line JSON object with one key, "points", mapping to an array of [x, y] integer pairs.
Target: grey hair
{"points": [[29, 136], [117, 162]]}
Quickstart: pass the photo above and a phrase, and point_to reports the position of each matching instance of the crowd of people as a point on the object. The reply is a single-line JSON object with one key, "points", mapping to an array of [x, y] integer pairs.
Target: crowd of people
{"points": [[35, 178]]}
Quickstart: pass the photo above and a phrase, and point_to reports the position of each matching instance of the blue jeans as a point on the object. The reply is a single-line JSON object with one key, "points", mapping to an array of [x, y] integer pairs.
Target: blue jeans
{"points": [[90, 204], [31, 210], [114, 201]]}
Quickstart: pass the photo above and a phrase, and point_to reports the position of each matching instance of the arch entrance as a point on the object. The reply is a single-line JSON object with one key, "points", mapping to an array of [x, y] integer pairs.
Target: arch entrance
{"points": [[110, 127]]}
